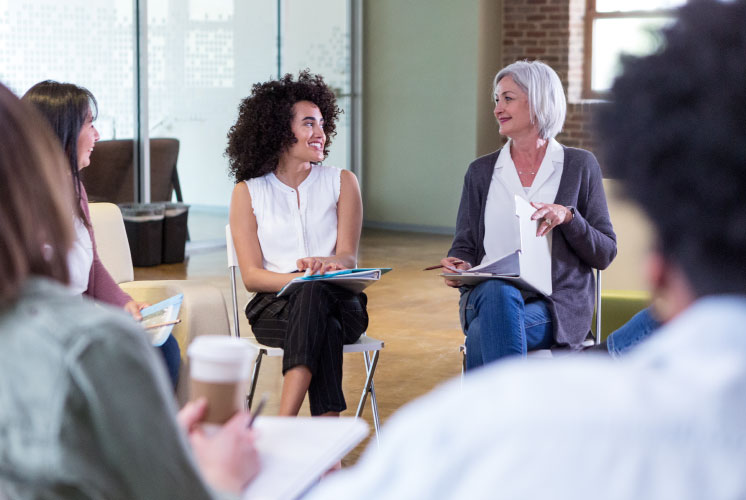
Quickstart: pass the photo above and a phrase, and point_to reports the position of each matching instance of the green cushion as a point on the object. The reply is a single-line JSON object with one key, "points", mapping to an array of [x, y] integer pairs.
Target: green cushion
{"points": [[618, 306]]}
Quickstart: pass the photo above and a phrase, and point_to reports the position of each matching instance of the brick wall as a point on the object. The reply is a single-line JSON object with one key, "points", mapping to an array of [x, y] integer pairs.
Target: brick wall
{"points": [[552, 31]]}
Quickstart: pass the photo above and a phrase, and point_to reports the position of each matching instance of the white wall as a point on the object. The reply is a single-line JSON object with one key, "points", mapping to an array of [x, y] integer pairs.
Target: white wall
{"points": [[420, 109]]}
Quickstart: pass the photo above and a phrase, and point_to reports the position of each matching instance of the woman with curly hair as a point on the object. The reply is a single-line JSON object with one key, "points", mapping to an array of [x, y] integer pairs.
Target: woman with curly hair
{"points": [[290, 214]]}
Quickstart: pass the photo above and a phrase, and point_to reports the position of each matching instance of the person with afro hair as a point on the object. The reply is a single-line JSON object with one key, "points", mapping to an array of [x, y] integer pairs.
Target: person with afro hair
{"points": [[292, 215]]}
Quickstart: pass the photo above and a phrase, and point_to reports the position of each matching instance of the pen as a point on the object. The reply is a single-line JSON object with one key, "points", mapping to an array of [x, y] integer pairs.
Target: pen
{"points": [[256, 412], [441, 265], [159, 325]]}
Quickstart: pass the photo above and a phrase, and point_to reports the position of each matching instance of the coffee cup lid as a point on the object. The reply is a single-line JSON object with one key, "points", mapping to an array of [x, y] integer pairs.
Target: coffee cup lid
{"points": [[219, 348]]}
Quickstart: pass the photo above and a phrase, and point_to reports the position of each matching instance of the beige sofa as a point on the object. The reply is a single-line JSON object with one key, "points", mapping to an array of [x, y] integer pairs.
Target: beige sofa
{"points": [[203, 310], [624, 289]]}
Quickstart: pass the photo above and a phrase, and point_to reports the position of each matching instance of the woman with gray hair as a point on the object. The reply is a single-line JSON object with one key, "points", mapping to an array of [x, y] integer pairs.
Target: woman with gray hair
{"points": [[565, 187]]}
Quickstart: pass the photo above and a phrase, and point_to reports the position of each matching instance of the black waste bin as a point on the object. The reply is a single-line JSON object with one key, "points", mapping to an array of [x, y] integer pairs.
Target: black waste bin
{"points": [[175, 232], [144, 225]]}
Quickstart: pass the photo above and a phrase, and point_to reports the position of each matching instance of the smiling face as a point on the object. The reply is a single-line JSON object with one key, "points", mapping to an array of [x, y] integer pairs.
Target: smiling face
{"points": [[512, 111], [86, 140], [308, 128]]}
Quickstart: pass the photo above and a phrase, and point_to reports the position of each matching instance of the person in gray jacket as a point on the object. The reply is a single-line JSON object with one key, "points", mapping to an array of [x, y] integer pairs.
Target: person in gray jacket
{"points": [[85, 409], [565, 186]]}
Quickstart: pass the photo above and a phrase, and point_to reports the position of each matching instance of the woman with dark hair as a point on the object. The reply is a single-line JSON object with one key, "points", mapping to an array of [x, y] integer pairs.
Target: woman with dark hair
{"points": [[565, 186], [85, 409], [71, 111], [290, 214]]}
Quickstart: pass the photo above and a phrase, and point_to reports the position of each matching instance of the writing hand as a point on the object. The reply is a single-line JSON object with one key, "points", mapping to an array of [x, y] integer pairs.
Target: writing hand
{"points": [[454, 264]]}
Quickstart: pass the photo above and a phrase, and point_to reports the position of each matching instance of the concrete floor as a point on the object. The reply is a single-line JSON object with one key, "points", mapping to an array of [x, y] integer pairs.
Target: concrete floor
{"points": [[411, 310]]}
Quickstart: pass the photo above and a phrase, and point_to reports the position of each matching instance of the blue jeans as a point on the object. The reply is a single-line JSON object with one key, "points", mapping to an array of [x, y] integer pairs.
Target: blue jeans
{"points": [[634, 331], [172, 356], [498, 322]]}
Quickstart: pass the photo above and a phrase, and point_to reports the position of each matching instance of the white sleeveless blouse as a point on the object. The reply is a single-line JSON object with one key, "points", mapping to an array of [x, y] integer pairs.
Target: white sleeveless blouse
{"points": [[287, 232]]}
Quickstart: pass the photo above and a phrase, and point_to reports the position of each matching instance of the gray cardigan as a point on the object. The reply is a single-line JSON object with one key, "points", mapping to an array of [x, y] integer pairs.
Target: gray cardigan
{"points": [[586, 242]]}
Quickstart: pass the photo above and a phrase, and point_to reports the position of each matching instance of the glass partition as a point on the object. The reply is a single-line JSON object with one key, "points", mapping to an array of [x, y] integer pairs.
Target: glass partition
{"points": [[316, 36], [203, 56], [86, 42]]}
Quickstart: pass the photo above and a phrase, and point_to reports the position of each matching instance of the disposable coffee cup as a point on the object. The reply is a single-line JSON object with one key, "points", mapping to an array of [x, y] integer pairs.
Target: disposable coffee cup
{"points": [[219, 370]]}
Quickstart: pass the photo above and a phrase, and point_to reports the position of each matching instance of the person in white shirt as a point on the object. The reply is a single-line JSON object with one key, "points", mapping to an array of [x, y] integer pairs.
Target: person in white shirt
{"points": [[666, 421], [291, 214]]}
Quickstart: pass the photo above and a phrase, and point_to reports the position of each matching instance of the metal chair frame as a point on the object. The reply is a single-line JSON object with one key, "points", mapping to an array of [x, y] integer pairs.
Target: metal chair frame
{"points": [[368, 346]]}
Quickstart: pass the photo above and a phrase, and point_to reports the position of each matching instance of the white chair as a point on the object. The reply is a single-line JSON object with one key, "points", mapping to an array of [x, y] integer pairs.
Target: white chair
{"points": [[203, 310], [547, 353], [369, 346]]}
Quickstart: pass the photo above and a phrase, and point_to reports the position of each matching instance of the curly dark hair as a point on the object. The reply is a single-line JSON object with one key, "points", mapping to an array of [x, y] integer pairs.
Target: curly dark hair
{"points": [[675, 134], [262, 132]]}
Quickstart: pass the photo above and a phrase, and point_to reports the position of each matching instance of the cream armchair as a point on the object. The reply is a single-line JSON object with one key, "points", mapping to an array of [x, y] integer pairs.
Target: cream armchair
{"points": [[203, 310]]}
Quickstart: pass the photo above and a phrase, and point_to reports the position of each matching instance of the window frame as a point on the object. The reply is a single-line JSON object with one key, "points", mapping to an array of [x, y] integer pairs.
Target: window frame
{"points": [[591, 15]]}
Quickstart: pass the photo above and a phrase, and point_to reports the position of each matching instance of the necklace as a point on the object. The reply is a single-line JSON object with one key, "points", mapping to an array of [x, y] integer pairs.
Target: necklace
{"points": [[529, 170], [522, 173]]}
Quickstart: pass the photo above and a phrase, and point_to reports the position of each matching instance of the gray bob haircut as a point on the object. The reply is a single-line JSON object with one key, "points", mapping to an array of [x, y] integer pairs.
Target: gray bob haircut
{"points": [[546, 97]]}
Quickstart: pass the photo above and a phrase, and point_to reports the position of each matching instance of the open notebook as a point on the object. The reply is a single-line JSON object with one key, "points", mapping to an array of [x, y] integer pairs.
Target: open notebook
{"points": [[162, 313], [528, 266], [296, 451]]}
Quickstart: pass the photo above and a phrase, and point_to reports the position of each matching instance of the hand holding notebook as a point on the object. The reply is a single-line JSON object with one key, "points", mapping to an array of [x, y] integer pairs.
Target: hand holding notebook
{"points": [[159, 319], [529, 266], [355, 280]]}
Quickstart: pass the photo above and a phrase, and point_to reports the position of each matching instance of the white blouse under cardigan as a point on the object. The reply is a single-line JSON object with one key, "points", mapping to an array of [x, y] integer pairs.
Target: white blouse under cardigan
{"points": [[500, 231], [288, 232]]}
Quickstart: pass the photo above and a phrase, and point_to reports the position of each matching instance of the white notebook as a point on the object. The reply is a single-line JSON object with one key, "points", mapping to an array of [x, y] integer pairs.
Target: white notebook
{"points": [[528, 266], [296, 451]]}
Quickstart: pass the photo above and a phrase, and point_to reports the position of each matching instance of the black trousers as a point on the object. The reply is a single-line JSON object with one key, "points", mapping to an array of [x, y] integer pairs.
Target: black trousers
{"points": [[311, 325]]}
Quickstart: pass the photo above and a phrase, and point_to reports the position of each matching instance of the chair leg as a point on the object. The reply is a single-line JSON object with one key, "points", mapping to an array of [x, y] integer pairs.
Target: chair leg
{"points": [[374, 401], [370, 367], [368, 380], [255, 378], [236, 328], [598, 306], [177, 187]]}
